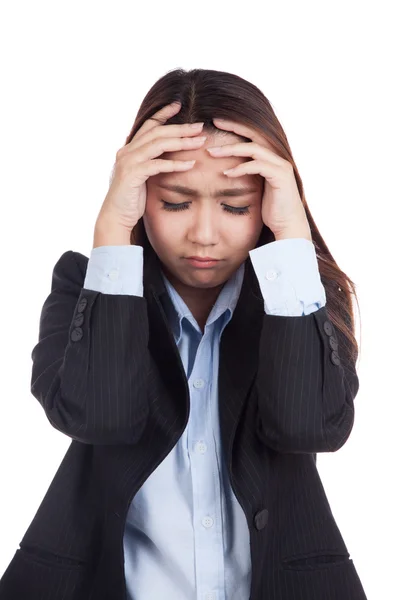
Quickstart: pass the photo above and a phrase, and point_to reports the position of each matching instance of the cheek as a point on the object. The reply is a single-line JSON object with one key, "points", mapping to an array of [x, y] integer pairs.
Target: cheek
{"points": [[161, 227], [242, 230]]}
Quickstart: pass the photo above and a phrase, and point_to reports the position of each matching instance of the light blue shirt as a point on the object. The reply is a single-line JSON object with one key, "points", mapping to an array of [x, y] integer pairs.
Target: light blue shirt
{"points": [[186, 536]]}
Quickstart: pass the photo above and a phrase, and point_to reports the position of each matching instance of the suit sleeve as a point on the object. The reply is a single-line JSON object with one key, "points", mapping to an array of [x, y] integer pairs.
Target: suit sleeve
{"points": [[91, 361], [306, 386]]}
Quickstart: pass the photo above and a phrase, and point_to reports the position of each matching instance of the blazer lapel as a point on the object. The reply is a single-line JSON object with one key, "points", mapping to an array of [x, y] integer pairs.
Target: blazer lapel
{"points": [[239, 354], [162, 344]]}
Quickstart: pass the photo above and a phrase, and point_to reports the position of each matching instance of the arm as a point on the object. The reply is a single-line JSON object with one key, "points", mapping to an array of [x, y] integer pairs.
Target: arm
{"points": [[91, 361], [305, 389]]}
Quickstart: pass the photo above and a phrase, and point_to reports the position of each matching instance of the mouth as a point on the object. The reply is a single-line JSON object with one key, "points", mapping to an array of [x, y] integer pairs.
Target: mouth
{"points": [[198, 262]]}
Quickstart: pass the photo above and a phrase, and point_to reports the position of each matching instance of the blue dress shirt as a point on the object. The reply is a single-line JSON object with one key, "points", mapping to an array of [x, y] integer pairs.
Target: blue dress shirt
{"points": [[186, 535]]}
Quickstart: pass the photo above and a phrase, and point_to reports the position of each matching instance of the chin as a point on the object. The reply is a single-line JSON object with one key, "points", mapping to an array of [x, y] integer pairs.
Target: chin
{"points": [[209, 278]]}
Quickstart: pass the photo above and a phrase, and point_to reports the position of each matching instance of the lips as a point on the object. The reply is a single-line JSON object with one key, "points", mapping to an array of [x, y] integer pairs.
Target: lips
{"points": [[202, 263], [203, 259]]}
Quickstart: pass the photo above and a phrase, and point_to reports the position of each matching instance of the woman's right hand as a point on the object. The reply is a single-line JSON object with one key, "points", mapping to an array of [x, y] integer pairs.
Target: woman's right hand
{"points": [[125, 202]]}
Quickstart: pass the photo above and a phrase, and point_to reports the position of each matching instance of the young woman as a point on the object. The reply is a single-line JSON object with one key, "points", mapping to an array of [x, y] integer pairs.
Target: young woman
{"points": [[199, 359]]}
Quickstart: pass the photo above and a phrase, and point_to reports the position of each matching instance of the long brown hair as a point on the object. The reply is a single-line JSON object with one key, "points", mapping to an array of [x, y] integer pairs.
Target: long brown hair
{"points": [[206, 94]]}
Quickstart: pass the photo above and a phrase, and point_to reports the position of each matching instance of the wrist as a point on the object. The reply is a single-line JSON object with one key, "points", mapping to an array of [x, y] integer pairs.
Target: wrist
{"points": [[109, 233], [297, 232]]}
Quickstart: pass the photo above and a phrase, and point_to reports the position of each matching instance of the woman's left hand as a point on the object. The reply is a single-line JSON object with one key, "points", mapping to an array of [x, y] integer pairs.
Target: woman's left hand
{"points": [[282, 209]]}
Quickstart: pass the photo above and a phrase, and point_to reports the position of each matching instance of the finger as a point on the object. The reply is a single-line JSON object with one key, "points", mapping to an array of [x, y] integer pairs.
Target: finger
{"points": [[155, 148], [240, 129], [250, 149], [254, 167], [159, 118], [178, 131], [160, 165]]}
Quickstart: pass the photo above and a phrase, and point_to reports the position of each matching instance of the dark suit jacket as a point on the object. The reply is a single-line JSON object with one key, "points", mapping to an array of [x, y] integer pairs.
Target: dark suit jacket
{"points": [[108, 374]]}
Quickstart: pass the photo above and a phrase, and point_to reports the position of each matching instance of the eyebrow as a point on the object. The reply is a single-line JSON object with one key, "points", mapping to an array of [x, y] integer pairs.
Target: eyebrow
{"points": [[228, 193]]}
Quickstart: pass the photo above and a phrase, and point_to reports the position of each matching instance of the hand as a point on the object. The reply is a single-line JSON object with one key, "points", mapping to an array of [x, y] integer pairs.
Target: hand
{"points": [[125, 202], [282, 209]]}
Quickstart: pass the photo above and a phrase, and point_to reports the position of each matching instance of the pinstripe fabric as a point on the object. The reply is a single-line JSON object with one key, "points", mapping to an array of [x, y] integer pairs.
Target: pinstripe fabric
{"points": [[282, 402], [170, 550]]}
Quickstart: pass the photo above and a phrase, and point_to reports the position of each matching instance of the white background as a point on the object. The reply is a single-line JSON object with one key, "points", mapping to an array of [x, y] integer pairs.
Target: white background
{"points": [[73, 77]]}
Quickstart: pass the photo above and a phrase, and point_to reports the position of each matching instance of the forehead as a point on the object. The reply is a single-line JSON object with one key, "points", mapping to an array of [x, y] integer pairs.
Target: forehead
{"points": [[207, 165]]}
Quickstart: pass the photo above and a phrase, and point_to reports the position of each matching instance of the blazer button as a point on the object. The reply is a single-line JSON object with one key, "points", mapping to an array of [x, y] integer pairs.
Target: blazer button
{"points": [[335, 358], [79, 319], [328, 328], [261, 519], [333, 343], [82, 305], [76, 334]]}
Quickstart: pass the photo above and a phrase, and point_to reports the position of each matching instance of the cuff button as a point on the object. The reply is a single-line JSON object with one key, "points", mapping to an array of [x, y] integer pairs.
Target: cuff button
{"points": [[333, 343], [271, 275], [328, 328], [335, 358], [82, 305], [76, 334]]}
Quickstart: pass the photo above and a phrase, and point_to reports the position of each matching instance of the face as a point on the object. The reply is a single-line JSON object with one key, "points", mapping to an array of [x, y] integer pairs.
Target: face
{"points": [[206, 224]]}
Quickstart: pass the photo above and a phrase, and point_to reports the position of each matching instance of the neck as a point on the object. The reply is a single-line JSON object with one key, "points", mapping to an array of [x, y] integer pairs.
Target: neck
{"points": [[198, 300]]}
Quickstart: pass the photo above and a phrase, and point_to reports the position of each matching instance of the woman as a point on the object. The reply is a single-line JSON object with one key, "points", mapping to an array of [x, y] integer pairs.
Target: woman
{"points": [[196, 392]]}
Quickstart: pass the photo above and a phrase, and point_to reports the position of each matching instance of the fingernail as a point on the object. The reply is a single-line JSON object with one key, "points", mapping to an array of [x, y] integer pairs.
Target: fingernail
{"points": [[196, 125]]}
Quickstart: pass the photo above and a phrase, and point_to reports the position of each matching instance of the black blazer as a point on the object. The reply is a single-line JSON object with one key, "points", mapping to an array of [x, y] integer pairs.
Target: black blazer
{"points": [[108, 374]]}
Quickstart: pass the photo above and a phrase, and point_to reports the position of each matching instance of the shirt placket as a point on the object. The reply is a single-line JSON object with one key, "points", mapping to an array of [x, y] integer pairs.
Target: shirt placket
{"points": [[205, 478]]}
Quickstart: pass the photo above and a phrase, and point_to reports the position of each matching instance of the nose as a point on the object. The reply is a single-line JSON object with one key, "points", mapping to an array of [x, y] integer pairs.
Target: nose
{"points": [[204, 228]]}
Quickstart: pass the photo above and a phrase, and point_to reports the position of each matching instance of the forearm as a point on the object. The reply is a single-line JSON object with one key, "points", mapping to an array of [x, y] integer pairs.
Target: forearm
{"points": [[90, 364], [294, 232], [306, 390], [108, 232]]}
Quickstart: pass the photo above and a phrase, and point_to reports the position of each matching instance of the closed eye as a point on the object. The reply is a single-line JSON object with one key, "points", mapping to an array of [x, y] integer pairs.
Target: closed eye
{"points": [[233, 210]]}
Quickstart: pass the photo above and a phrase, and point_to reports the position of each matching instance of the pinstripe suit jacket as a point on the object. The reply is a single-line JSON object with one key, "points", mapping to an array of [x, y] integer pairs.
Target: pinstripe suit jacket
{"points": [[286, 393]]}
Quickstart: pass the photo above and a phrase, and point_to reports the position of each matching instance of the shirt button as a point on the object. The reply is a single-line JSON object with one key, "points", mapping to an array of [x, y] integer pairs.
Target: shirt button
{"points": [[198, 383], [207, 522], [113, 274], [210, 596], [200, 447], [271, 275]]}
